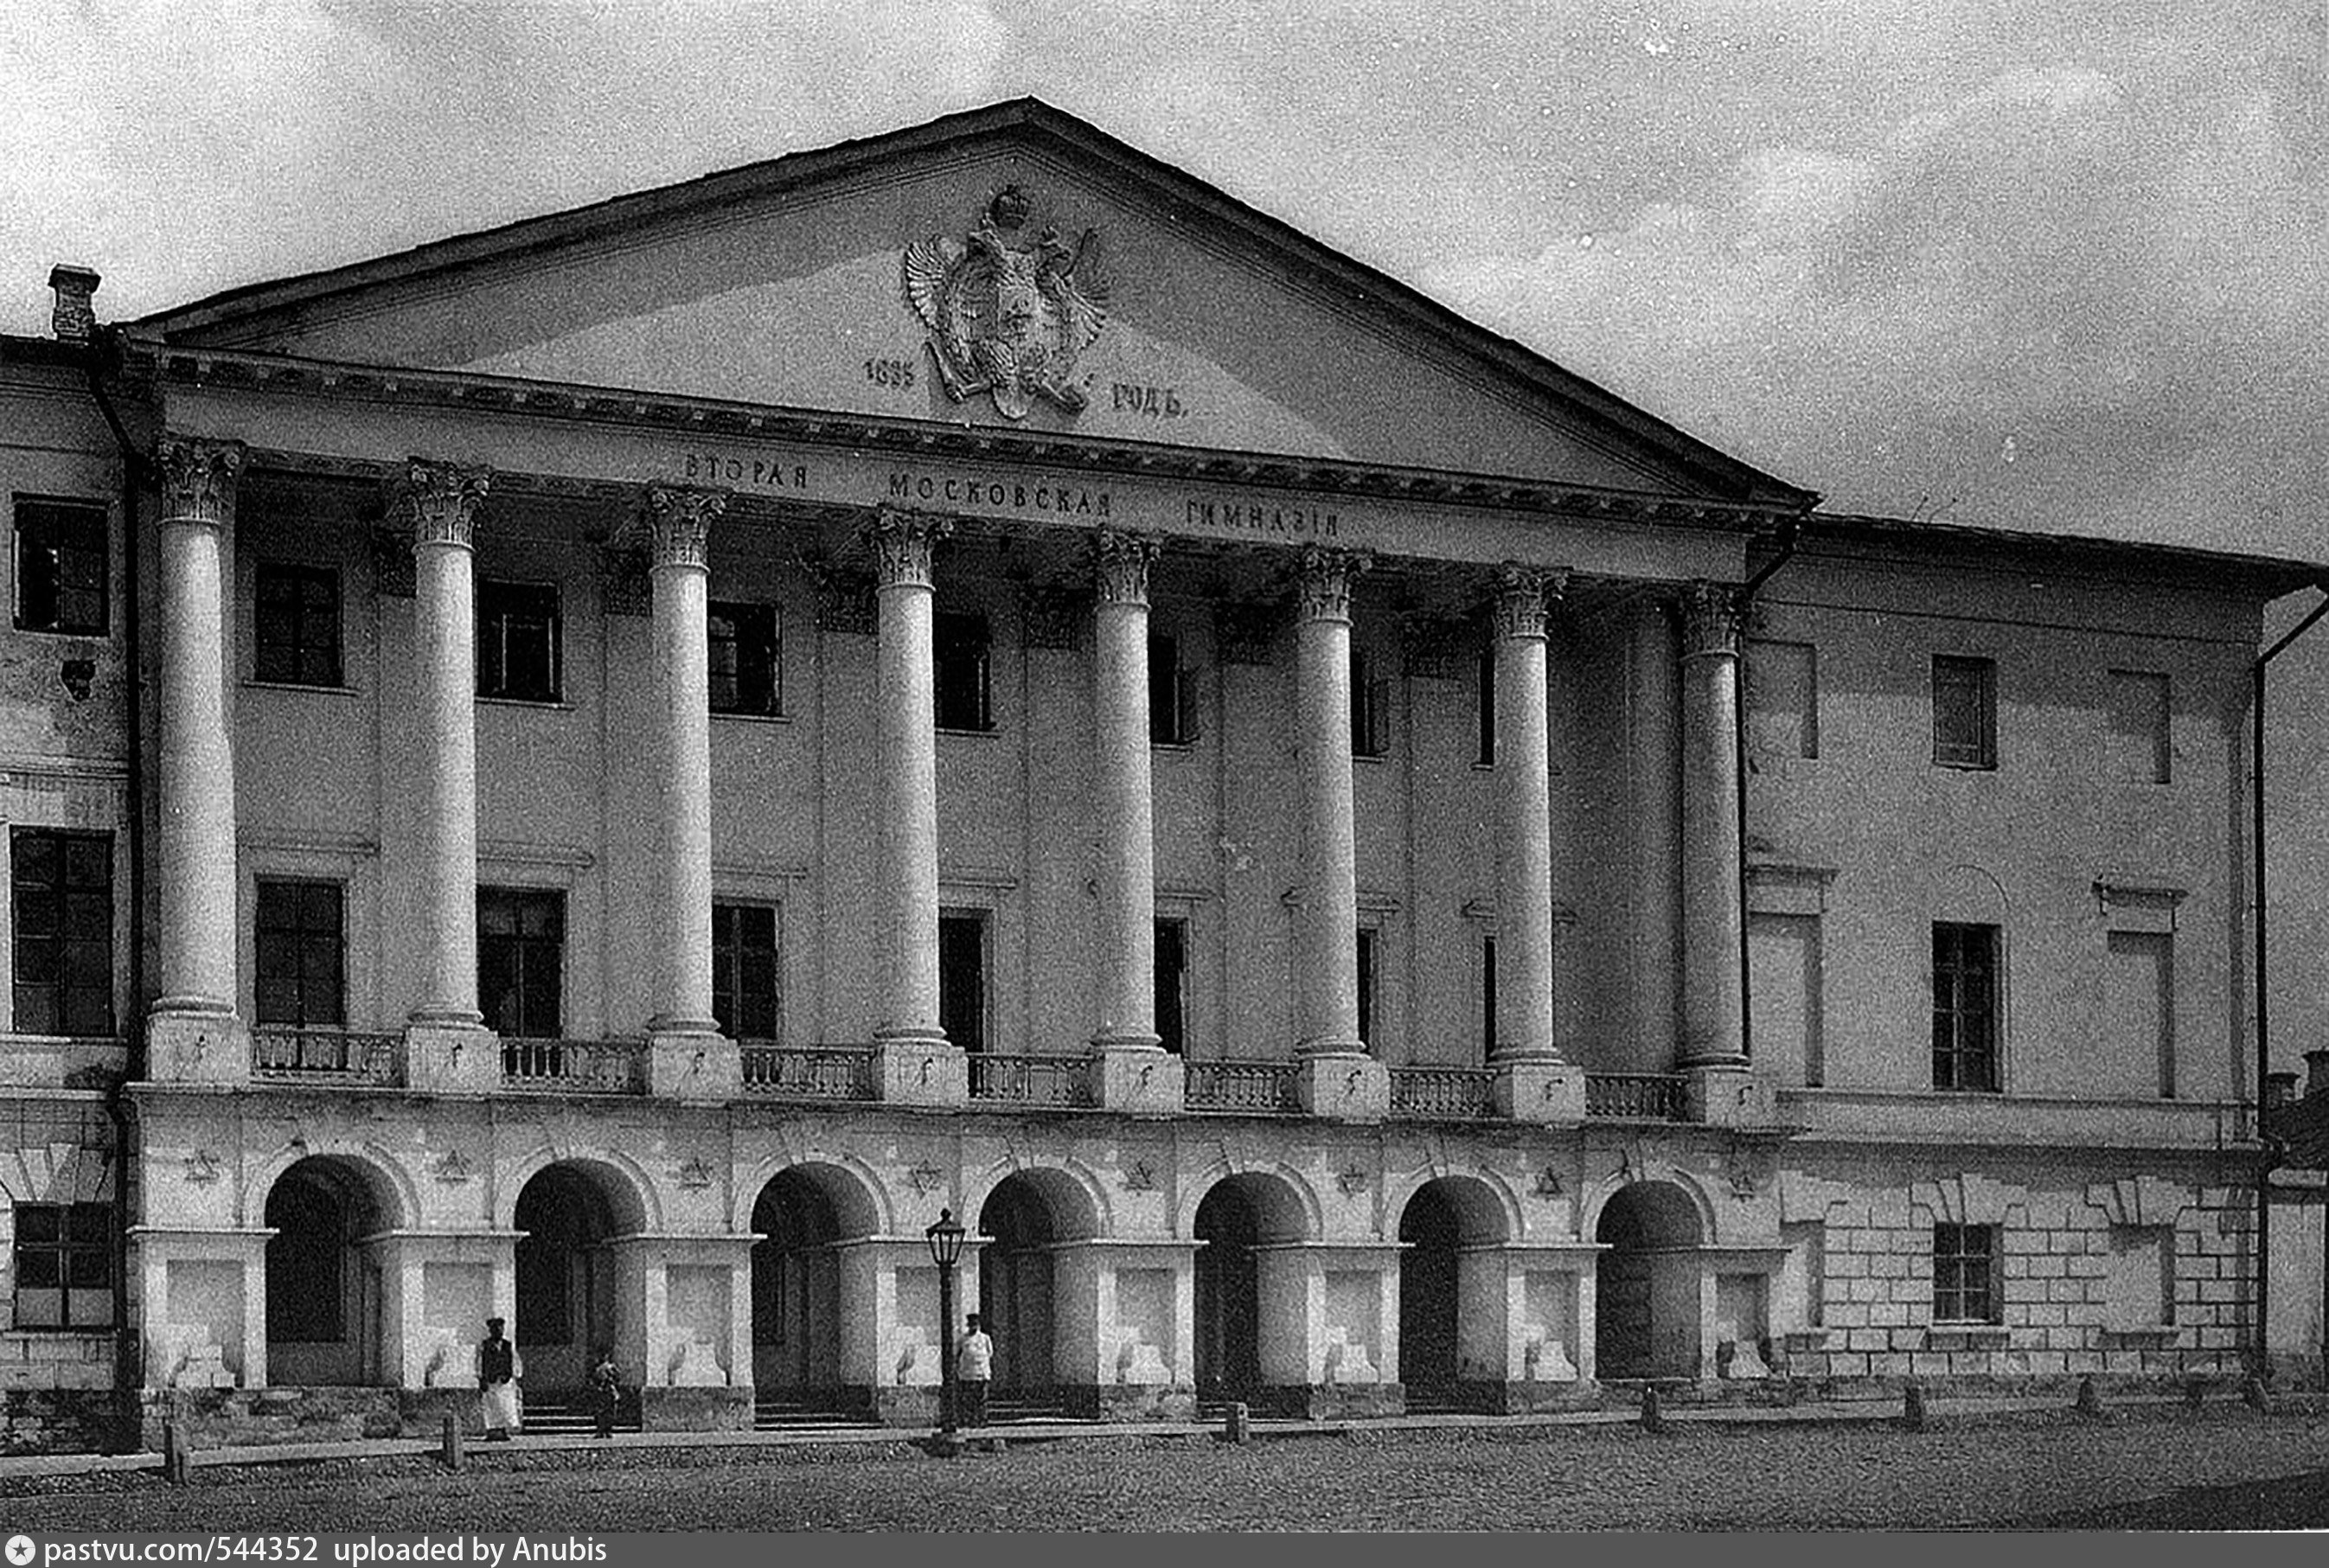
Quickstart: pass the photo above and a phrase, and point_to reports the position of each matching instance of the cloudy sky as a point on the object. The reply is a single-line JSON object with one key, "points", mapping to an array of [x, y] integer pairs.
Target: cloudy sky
{"points": [[2046, 263]]}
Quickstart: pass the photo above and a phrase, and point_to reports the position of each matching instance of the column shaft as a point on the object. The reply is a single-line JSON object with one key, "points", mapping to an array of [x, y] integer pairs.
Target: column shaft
{"points": [[1125, 803], [679, 526], [444, 500], [1326, 945], [1713, 1030], [1524, 787], [197, 852], [906, 739]]}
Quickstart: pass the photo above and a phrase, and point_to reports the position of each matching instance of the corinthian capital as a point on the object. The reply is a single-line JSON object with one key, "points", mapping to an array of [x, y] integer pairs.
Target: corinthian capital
{"points": [[902, 543], [198, 480], [1120, 563], [1523, 598], [1324, 583], [444, 500], [679, 525], [1710, 619]]}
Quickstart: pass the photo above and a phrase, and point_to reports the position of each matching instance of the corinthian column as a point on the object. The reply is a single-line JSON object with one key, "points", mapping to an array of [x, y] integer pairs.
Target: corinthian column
{"points": [[918, 1062], [443, 500], [192, 1032], [686, 1055], [1712, 998], [1523, 785]]}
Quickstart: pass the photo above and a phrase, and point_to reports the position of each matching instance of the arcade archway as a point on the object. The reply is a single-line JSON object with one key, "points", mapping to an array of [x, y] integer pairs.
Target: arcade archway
{"points": [[1646, 1320], [323, 1290]]}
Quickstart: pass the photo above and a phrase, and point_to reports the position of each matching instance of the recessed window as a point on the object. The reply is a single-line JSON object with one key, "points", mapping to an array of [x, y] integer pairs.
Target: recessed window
{"points": [[1488, 996], [2139, 1013], [62, 884], [1965, 1006], [962, 978], [1370, 701], [296, 619], [2139, 752], [1486, 686], [518, 641], [1964, 1274], [747, 660], [964, 683], [63, 1265], [1172, 985], [2139, 1289], [300, 941], [1783, 698], [1172, 715], [1964, 712], [1370, 951], [744, 974], [521, 961], [61, 567]]}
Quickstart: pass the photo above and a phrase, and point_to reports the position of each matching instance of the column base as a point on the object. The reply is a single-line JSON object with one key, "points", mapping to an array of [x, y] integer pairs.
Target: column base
{"points": [[920, 1071], [1547, 1091], [1348, 1087], [195, 1042], [1143, 1080], [685, 1062], [1728, 1094], [451, 1058]]}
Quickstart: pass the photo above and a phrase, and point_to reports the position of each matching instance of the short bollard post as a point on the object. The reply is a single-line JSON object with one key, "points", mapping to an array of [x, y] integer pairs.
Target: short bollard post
{"points": [[1238, 1428], [452, 1441], [1912, 1407], [2253, 1392], [177, 1466], [1654, 1418], [2090, 1403]]}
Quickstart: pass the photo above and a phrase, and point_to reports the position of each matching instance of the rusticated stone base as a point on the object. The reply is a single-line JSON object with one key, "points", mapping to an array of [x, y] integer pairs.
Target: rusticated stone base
{"points": [[60, 1421], [1131, 1401], [240, 1417], [695, 1409], [1335, 1401], [1530, 1398]]}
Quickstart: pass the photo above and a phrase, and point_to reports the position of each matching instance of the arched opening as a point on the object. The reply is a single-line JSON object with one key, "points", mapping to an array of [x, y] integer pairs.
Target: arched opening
{"points": [[1646, 1315], [1238, 1214], [323, 1290], [1026, 1215], [797, 1282], [1444, 1218], [568, 1304]]}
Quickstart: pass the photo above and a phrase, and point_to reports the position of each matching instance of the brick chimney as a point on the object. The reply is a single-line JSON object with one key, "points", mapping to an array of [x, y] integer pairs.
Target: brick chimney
{"points": [[75, 318], [2316, 1073]]}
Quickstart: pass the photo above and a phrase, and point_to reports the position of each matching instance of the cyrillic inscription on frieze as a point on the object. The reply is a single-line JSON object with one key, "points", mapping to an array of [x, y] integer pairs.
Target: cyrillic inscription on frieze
{"points": [[769, 471], [1239, 514], [1009, 319], [1046, 498]]}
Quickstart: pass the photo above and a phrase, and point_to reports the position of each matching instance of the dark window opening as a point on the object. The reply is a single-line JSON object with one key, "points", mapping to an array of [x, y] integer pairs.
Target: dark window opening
{"points": [[965, 695], [301, 949], [64, 1265], [1368, 700], [521, 961], [518, 641], [61, 567], [1172, 985], [1369, 941], [747, 659], [962, 979], [1965, 1006], [1171, 714], [1964, 712], [1487, 685], [62, 884], [1488, 993], [744, 986], [1964, 1274], [296, 618]]}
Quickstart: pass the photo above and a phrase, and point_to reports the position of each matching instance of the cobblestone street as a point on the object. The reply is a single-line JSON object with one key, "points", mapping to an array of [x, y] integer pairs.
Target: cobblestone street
{"points": [[2160, 1469]]}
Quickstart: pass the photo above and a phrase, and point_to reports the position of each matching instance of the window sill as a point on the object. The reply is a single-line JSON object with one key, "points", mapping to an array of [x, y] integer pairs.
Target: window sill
{"points": [[1964, 767], [550, 704], [1172, 748], [1968, 1337], [750, 718], [988, 734], [1378, 758], [255, 685], [99, 636]]}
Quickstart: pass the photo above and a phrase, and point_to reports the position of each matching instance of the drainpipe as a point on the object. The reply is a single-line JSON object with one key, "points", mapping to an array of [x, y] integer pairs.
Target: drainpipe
{"points": [[106, 345], [2263, 995], [1790, 534]]}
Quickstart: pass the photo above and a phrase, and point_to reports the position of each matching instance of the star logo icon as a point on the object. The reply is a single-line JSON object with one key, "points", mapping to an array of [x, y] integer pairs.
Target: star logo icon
{"points": [[20, 1550]]}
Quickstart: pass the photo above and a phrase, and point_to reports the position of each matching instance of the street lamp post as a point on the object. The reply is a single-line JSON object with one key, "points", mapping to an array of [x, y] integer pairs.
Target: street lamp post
{"points": [[945, 1251]]}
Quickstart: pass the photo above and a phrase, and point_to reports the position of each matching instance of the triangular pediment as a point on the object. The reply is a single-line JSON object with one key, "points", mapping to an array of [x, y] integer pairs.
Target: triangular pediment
{"points": [[1105, 294]]}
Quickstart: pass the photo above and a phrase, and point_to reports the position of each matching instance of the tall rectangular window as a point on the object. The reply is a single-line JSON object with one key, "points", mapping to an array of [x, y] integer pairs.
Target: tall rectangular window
{"points": [[518, 641], [1964, 1274], [1964, 712], [1487, 996], [1370, 697], [61, 567], [1370, 969], [747, 659], [1965, 1006], [1783, 999], [1172, 985], [296, 619], [962, 978], [64, 1265], [521, 961], [964, 684], [1172, 717], [1486, 684], [2138, 1055], [62, 884], [2139, 749], [300, 945], [1783, 698], [744, 974]]}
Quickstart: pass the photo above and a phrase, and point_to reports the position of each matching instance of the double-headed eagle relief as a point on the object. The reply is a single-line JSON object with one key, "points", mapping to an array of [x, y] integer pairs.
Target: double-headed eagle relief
{"points": [[1006, 318]]}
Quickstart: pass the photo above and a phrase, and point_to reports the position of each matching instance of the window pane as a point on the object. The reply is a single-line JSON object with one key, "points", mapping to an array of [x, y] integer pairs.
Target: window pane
{"points": [[38, 1223], [1964, 713]]}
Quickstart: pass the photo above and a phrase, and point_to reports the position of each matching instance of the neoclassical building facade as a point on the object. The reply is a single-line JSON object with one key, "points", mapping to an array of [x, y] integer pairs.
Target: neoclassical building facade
{"points": [[969, 672]]}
